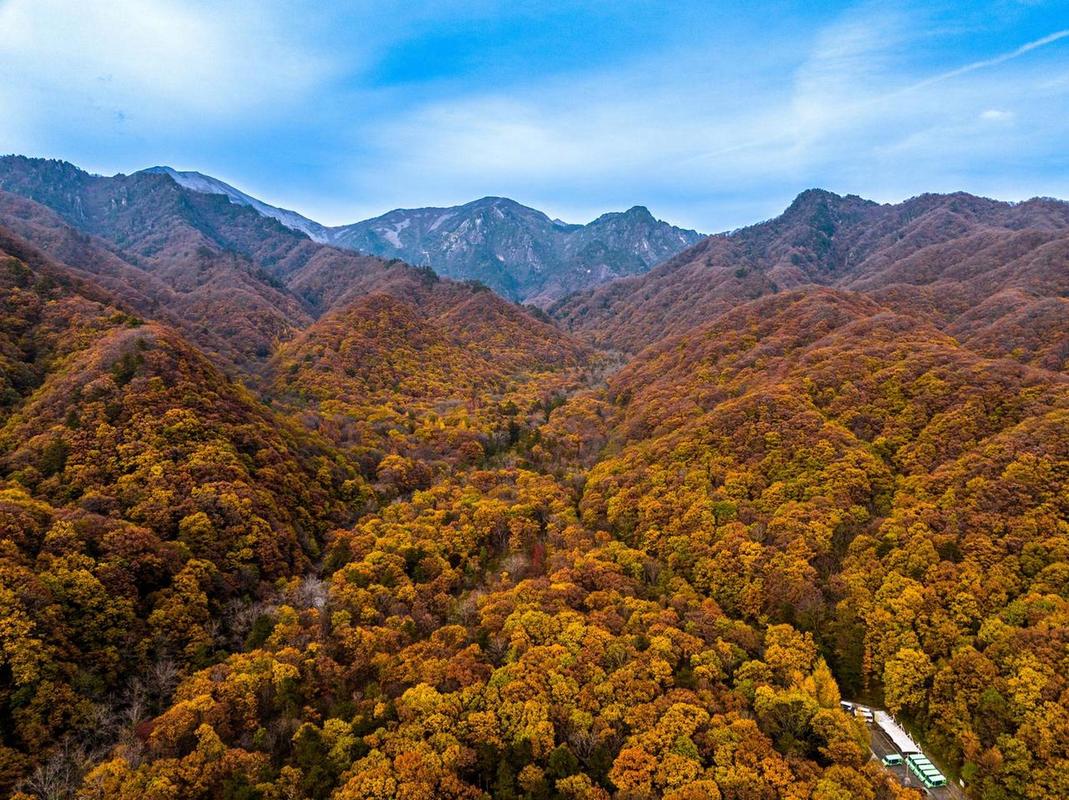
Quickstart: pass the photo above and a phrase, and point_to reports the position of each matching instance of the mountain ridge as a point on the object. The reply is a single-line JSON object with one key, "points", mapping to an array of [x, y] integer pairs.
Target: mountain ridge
{"points": [[536, 261], [940, 255], [206, 184]]}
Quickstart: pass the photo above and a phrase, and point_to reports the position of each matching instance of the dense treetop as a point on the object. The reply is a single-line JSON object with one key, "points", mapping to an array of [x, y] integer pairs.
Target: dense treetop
{"points": [[282, 521]]}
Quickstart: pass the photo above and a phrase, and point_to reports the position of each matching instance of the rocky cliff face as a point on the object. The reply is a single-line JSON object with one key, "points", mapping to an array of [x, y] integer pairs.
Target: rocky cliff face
{"points": [[518, 251]]}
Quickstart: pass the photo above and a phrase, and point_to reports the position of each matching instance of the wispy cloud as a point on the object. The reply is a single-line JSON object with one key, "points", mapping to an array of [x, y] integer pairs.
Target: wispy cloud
{"points": [[1057, 36], [857, 113], [148, 65], [711, 118]]}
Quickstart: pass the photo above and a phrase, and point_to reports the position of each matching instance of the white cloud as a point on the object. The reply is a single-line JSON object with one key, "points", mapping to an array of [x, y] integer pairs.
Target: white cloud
{"points": [[147, 65], [854, 105], [855, 113]]}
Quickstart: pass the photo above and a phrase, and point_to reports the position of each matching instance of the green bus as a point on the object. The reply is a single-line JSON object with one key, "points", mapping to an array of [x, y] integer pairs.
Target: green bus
{"points": [[925, 770]]}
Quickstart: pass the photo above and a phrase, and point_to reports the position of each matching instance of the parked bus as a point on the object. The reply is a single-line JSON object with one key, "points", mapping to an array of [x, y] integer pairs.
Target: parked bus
{"points": [[925, 770]]}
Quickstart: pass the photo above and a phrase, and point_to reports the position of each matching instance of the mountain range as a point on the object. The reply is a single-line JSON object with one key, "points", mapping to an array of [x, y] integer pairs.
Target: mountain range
{"points": [[990, 273], [282, 519], [515, 250]]}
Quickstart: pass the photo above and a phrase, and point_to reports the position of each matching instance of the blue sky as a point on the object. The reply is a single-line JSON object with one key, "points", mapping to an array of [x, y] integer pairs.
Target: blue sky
{"points": [[713, 115]]}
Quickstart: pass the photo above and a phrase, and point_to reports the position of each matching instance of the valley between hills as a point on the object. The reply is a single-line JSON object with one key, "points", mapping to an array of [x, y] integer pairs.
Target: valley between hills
{"points": [[593, 511]]}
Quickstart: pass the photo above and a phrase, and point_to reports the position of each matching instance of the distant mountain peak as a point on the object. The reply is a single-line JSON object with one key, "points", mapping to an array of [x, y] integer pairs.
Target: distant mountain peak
{"points": [[516, 250], [821, 209], [165, 170], [206, 184], [815, 193], [809, 201], [637, 215]]}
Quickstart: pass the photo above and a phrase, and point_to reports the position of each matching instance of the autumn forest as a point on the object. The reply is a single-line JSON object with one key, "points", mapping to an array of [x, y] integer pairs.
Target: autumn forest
{"points": [[282, 520]]}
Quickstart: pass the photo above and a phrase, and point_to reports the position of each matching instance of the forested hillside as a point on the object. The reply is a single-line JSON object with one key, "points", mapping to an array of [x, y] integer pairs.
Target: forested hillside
{"points": [[281, 521], [992, 274]]}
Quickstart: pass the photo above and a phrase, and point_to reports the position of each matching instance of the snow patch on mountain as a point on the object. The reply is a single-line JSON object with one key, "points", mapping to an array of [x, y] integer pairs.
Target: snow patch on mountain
{"points": [[205, 184], [517, 251]]}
